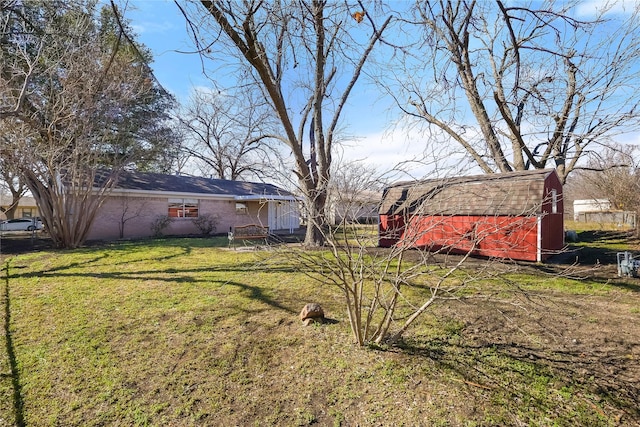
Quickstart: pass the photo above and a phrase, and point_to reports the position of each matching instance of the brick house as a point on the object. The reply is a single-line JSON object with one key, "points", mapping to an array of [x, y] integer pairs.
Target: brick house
{"points": [[139, 198]]}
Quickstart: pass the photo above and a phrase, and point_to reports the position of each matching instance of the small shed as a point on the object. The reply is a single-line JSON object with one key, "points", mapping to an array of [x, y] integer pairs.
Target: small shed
{"points": [[516, 215]]}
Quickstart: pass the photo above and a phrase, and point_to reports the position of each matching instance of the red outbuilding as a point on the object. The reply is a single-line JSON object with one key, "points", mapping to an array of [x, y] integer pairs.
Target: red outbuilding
{"points": [[516, 215]]}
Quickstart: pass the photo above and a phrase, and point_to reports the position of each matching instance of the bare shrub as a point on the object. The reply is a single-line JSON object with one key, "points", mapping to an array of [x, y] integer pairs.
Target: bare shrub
{"points": [[434, 232], [206, 223], [160, 224], [79, 104]]}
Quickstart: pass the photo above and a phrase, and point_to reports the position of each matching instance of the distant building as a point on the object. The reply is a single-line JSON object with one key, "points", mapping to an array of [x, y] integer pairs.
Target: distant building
{"points": [[361, 208], [602, 211], [589, 205], [27, 207]]}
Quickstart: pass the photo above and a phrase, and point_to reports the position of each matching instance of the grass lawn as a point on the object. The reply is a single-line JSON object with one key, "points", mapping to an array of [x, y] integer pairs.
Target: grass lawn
{"points": [[183, 332]]}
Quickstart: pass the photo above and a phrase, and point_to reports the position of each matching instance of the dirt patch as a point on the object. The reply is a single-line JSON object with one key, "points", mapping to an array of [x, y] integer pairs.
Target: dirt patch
{"points": [[590, 342]]}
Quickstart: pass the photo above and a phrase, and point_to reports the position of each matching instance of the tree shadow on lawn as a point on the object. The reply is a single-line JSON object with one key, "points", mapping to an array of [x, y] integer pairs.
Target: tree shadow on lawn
{"points": [[592, 246], [256, 293], [606, 274], [594, 384], [109, 258], [169, 275], [18, 403], [592, 236], [592, 260], [19, 243]]}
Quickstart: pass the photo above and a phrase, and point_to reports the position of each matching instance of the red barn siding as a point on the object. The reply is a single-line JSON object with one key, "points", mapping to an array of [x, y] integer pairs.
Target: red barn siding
{"points": [[552, 230], [531, 227], [390, 229], [501, 237]]}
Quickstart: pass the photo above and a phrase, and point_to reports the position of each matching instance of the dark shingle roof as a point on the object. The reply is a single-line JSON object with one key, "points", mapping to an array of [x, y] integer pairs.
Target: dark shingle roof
{"points": [[145, 181], [513, 193]]}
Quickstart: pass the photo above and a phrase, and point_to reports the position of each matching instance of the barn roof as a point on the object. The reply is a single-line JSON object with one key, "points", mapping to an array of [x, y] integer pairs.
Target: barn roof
{"points": [[513, 193]]}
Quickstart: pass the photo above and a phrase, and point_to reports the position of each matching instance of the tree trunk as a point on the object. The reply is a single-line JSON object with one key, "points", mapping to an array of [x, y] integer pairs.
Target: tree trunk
{"points": [[316, 224], [11, 211]]}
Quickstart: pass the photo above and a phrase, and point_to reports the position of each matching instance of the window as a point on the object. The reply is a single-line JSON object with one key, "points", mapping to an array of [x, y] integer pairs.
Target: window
{"points": [[554, 201], [241, 208], [183, 208]]}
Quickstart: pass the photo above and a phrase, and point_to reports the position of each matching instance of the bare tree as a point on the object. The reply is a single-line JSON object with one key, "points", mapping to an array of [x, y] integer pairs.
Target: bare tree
{"points": [[613, 174], [222, 132], [386, 290], [17, 189], [355, 193], [127, 213], [305, 58], [17, 70], [521, 85], [88, 108], [10, 173]]}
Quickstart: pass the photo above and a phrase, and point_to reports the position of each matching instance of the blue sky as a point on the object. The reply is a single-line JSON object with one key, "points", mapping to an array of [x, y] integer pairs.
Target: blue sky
{"points": [[161, 27]]}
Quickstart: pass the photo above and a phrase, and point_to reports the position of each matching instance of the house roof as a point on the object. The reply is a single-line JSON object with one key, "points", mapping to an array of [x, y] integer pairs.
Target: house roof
{"points": [[513, 193], [156, 182]]}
